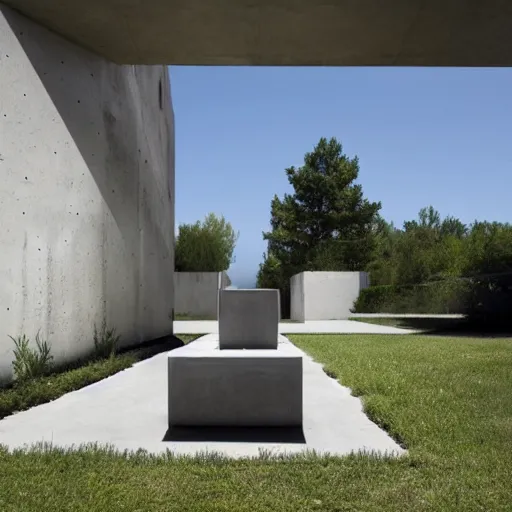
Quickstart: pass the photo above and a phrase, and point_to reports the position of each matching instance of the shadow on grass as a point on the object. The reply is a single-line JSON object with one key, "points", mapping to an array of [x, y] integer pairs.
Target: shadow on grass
{"points": [[152, 348], [439, 326], [453, 327], [193, 318], [282, 435]]}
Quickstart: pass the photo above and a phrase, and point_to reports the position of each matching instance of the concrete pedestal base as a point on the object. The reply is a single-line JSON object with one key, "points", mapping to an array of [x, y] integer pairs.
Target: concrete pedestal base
{"points": [[236, 388], [248, 319]]}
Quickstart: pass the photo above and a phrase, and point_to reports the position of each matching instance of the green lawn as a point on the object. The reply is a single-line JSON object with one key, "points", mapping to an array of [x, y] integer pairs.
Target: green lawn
{"points": [[449, 400]]}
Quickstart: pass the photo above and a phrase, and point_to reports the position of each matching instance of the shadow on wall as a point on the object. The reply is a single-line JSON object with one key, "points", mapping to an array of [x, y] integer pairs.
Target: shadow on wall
{"points": [[116, 205], [364, 280]]}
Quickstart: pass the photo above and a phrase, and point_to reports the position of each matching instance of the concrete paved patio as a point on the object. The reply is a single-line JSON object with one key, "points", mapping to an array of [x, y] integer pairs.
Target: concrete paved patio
{"points": [[129, 411], [312, 326]]}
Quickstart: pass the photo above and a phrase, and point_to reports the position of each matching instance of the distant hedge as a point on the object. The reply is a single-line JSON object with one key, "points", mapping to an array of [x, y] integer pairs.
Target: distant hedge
{"points": [[486, 302], [450, 296]]}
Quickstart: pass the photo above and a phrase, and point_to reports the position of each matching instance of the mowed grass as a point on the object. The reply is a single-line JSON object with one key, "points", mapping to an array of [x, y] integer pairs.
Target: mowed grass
{"points": [[449, 400]]}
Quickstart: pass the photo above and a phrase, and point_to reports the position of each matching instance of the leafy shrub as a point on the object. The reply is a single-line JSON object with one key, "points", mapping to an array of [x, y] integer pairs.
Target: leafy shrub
{"points": [[105, 341], [206, 246], [31, 363], [450, 296]]}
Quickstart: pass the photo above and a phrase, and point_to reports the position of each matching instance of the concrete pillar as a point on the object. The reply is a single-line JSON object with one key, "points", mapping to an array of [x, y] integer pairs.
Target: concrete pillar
{"points": [[325, 295], [248, 319], [86, 195]]}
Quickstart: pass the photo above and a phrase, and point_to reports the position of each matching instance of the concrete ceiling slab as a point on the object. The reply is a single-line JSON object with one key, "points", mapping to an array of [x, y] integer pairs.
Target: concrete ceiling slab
{"points": [[285, 32]]}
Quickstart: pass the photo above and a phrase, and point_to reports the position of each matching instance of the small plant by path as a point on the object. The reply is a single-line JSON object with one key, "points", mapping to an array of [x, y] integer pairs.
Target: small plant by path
{"points": [[30, 363], [106, 341]]}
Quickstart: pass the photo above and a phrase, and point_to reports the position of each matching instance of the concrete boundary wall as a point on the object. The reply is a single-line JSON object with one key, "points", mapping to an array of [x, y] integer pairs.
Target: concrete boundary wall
{"points": [[196, 293], [325, 295], [87, 194]]}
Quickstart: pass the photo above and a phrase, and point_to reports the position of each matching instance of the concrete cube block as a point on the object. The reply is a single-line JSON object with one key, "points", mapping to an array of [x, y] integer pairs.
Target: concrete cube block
{"points": [[248, 319], [234, 388]]}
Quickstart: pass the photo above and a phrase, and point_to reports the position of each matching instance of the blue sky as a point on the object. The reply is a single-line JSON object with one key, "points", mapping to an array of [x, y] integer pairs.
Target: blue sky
{"points": [[423, 136]]}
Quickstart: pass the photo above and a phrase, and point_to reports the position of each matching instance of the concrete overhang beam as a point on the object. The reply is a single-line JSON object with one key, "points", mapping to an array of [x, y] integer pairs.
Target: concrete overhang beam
{"points": [[285, 32]]}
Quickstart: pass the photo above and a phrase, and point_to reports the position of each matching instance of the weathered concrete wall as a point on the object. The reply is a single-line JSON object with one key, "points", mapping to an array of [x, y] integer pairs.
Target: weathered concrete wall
{"points": [[86, 196], [325, 295], [196, 293]]}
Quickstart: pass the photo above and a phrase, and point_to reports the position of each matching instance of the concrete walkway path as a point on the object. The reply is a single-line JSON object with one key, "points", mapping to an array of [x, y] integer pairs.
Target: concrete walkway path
{"points": [[313, 326], [129, 411]]}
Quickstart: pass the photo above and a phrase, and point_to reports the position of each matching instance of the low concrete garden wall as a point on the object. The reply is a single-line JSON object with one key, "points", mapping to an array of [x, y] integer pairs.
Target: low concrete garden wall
{"points": [[325, 295], [196, 293]]}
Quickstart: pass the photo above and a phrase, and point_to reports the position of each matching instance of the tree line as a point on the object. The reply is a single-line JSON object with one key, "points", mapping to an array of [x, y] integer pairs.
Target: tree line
{"points": [[430, 264]]}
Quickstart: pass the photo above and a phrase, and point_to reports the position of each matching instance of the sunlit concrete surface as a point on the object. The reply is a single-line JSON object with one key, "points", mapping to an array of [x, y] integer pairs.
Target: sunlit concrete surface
{"points": [[312, 326]]}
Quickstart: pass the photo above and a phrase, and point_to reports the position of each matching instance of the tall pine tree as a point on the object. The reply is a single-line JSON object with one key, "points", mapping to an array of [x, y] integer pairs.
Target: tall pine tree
{"points": [[326, 224]]}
